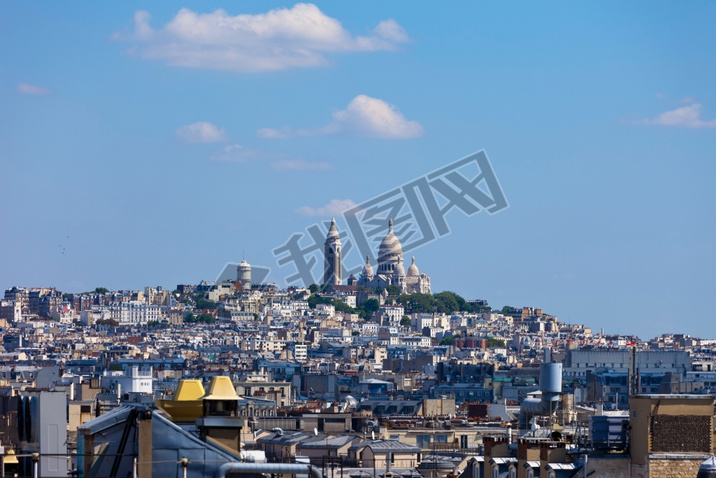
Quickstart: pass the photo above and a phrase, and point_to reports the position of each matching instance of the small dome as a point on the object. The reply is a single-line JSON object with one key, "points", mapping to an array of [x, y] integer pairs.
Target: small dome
{"points": [[399, 269], [413, 269], [244, 265], [367, 268], [390, 245]]}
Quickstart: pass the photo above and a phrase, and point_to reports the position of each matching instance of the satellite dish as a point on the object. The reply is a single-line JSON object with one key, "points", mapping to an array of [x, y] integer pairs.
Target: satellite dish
{"points": [[372, 435], [315, 432]]}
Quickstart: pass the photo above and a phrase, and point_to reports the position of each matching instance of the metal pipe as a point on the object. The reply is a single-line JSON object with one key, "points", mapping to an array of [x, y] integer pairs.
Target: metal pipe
{"points": [[251, 468], [184, 463]]}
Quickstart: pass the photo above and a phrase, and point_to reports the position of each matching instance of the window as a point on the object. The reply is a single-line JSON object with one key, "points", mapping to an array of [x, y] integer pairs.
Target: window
{"points": [[422, 441]]}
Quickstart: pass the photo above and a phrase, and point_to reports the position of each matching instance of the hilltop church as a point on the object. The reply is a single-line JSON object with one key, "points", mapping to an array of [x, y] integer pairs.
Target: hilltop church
{"points": [[390, 266]]}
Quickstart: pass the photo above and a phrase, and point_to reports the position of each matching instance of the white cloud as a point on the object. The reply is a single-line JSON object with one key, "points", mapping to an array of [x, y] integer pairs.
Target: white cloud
{"points": [[300, 165], [236, 153], [364, 116], [279, 39], [201, 132], [28, 89], [333, 208], [686, 116]]}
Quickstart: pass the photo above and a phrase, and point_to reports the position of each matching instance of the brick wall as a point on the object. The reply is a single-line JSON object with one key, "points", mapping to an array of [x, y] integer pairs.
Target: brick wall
{"points": [[674, 468], [611, 467]]}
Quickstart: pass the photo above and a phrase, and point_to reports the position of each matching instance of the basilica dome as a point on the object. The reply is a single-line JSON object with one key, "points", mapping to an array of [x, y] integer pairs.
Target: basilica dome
{"points": [[367, 269], [390, 246], [413, 269]]}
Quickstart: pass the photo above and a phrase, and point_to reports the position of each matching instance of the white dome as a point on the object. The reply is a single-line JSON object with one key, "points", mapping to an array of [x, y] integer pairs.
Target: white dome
{"points": [[367, 268], [390, 245], [413, 269], [399, 270]]}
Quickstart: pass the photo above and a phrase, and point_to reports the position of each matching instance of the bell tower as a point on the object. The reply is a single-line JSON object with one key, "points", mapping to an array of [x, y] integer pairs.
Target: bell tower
{"points": [[332, 256]]}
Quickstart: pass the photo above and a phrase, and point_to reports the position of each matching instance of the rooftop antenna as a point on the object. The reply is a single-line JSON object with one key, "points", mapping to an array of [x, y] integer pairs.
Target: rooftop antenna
{"points": [[372, 435]]}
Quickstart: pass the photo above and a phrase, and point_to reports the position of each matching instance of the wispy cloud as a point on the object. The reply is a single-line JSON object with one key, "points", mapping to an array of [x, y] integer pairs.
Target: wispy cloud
{"points": [[364, 116], [201, 132], [333, 208], [235, 153], [28, 89], [279, 39], [685, 117], [300, 165]]}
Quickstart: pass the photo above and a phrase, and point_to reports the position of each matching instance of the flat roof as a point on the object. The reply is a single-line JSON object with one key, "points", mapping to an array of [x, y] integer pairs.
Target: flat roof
{"points": [[682, 396]]}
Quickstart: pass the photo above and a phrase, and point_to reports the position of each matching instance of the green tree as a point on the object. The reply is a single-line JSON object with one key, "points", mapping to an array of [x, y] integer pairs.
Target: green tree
{"points": [[507, 310], [371, 305], [446, 303], [313, 288], [101, 290], [315, 299], [343, 307], [447, 340], [393, 290], [190, 318], [203, 303], [405, 321], [206, 318], [493, 342], [415, 303]]}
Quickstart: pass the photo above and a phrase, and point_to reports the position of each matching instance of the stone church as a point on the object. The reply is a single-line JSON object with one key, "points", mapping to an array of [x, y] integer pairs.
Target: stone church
{"points": [[391, 270]]}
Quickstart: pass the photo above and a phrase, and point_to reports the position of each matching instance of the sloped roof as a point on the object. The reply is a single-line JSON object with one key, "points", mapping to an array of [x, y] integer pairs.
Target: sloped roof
{"points": [[189, 390], [221, 388], [105, 421], [385, 446], [330, 442]]}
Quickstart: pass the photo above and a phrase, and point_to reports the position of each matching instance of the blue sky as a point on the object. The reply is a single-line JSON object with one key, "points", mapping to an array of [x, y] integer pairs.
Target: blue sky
{"points": [[152, 143]]}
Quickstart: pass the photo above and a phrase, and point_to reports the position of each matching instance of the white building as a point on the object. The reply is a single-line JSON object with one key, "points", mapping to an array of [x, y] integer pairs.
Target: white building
{"points": [[132, 380]]}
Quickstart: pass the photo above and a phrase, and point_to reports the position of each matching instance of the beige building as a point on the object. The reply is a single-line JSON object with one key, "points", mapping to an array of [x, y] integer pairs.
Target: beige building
{"points": [[670, 434]]}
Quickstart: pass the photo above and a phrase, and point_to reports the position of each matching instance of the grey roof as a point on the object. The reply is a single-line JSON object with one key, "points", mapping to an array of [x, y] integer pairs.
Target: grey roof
{"points": [[441, 461], [284, 439], [105, 421], [370, 473], [330, 442], [385, 446]]}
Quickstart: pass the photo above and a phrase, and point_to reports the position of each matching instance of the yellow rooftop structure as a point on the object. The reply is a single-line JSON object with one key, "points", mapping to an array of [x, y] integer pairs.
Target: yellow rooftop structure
{"points": [[189, 390], [221, 388], [11, 458], [186, 406]]}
